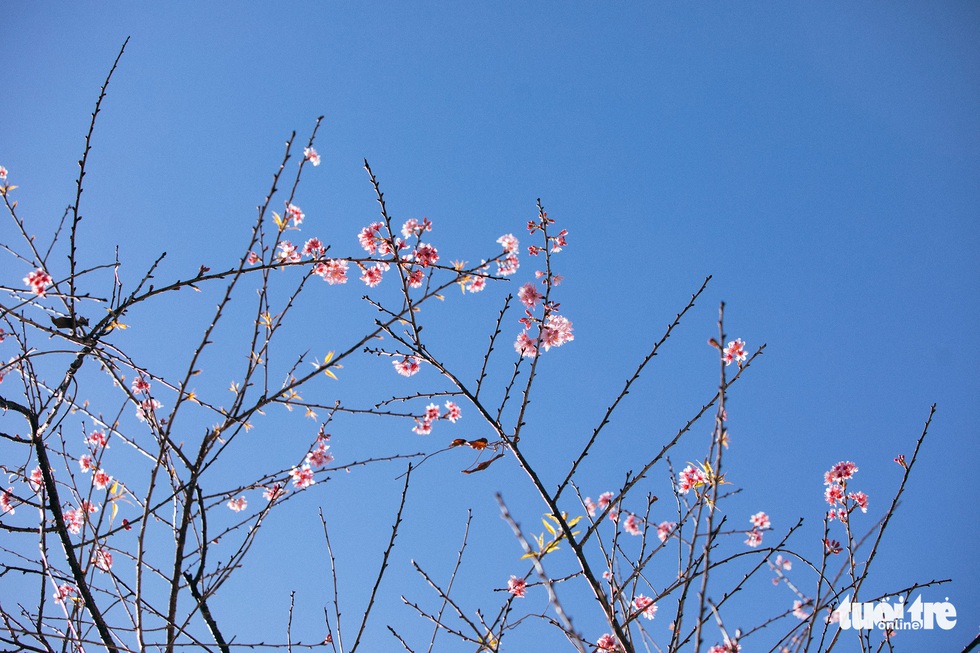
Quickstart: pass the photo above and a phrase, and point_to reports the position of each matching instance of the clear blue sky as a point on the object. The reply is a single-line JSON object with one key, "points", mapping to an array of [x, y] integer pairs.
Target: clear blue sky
{"points": [[821, 160]]}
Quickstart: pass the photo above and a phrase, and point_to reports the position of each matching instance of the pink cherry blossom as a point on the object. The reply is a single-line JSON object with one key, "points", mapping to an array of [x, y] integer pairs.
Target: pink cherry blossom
{"points": [[590, 506], [760, 520], [734, 352], [319, 456], [453, 412], [476, 284], [38, 280], [146, 408], [288, 253], [64, 592], [5, 500], [369, 237], [372, 275], [74, 520], [295, 214], [557, 330], [664, 529], [86, 463], [423, 427], [103, 560], [426, 255], [272, 493], [645, 605], [333, 271], [413, 227], [253, 258], [517, 586], [529, 295], [101, 480], [3, 172], [238, 505], [525, 346], [859, 498], [754, 538], [140, 385], [783, 563], [508, 265], [509, 243], [313, 247], [432, 412], [632, 524], [302, 477], [36, 479], [407, 366], [415, 279], [604, 500], [97, 439], [798, 610], [840, 473], [310, 155], [690, 477], [607, 643], [834, 494]]}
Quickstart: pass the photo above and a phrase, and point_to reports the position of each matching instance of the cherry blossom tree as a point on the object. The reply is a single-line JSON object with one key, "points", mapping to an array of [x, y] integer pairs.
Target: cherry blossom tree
{"points": [[123, 536]]}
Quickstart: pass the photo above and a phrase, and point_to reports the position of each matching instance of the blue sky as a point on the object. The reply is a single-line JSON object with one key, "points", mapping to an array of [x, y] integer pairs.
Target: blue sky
{"points": [[821, 161]]}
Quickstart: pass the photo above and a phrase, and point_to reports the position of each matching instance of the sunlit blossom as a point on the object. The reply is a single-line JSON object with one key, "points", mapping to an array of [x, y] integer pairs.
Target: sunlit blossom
{"points": [[74, 520], [101, 480], [370, 236], [36, 479], [422, 427], [6, 498], [760, 520], [798, 610], [310, 155], [645, 605], [238, 505], [333, 271], [529, 295], [146, 408], [97, 439], [664, 529], [274, 492], [295, 214], [426, 255], [63, 592], [734, 352], [632, 524], [86, 463], [556, 331], [372, 276], [860, 499], [525, 346], [319, 456], [453, 412], [754, 538], [508, 265], [689, 478], [313, 247], [407, 366], [840, 473], [607, 643], [510, 244], [517, 586], [288, 252], [302, 476], [3, 172], [103, 560], [38, 281]]}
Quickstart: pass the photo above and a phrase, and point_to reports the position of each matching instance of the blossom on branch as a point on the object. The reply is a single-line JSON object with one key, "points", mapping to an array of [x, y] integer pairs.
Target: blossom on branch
{"points": [[517, 586], [38, 280]]}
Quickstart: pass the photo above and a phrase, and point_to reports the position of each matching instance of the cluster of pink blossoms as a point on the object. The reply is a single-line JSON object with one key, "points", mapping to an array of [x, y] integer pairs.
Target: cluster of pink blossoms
{"points": [[238, 505], [554, 330], [433, 413], [645, 605], [6, 500], [665, 529], [632, 524], [38, 281], [760, 522], [836, 493], [63, 592], [734, 352], [96, 441], [607, 643], [302, 476], [517, 586], [508, 265], [408, 365], [691, 477], [103, 560]]}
